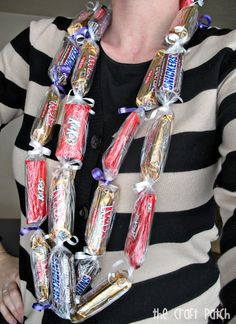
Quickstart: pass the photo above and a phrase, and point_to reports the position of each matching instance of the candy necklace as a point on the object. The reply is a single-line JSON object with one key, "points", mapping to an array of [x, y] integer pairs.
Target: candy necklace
{"points": [[58, 285]]}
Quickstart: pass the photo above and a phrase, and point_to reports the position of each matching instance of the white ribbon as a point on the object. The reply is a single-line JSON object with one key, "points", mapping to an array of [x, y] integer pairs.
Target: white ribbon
{"points": [[120, 265], [92, 5], [38, 148]]}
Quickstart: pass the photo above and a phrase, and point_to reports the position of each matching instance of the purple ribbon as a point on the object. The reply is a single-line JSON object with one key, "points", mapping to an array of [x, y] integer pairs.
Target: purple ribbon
{"points": [[125, 110], [26, 230], [83, 31], [204, 21], [38, 307], [99, 176]]}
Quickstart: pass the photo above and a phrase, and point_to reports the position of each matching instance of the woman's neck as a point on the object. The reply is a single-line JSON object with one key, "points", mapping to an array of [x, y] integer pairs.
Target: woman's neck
{"points": [[138, 28]]}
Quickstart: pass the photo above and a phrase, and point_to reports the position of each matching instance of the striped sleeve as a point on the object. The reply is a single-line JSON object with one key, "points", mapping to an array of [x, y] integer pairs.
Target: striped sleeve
{"points": [[14, 77], [225, 189]]}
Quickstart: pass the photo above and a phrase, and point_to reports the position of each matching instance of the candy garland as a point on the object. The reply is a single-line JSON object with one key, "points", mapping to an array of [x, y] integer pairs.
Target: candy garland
{"points": [[161, 88], [61, 283]]}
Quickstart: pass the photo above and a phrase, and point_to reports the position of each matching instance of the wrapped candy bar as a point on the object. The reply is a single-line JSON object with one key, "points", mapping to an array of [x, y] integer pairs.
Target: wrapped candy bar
{"points": [[146, 96], [36, 188], [85, 67], [183, 26], [39, 258], [80, 21], [62, 64], [101, 217], [73, 134], [140, 227], [103, 295], [61, 203], [169, 77], [86, 268], [155, 148], [42, 129], [115, 154], [62, 281], [99, 22]]}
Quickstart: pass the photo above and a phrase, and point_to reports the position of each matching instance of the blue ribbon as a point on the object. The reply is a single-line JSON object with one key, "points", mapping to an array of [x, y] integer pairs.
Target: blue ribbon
{"points": [[98, 175], [39, 307], [125, 110], [26, 230], [204, 21]]}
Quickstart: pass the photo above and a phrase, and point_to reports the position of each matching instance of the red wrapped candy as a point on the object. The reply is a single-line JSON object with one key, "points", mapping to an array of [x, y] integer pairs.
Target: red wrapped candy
{"points": [[36, 190], [140, 227], [72, 138]]}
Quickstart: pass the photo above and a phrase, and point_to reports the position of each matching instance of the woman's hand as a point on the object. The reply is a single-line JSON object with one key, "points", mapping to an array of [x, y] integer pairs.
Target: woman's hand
{"points": [[11, 305]]}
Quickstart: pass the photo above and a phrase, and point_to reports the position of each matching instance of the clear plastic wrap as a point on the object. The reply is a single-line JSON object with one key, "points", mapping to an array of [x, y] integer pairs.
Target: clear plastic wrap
{"points": [[42, 129], [83, 73], [39, 258], [36, 188], [101, 217], [86, 268], [169, 78], [80, 21], [140, 227], [63, 62], [73, 134], [183, 26], [116, 152], [99, 22], [103, 295], [155, 147], [146, 96], [62, 281], [61, 204]]}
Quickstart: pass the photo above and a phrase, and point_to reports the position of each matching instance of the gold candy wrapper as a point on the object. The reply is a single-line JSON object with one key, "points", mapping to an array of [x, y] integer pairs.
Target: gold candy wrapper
{"points": [[101, 217], [61, 204], [108, 291], [85, 67], [43, 127], [39, 263], [146, 96], [184, 25], [80, 21], [156, 147]]}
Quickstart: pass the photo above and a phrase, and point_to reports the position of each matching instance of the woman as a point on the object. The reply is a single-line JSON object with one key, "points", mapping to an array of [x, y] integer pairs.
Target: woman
{"points": [[179, 275]]}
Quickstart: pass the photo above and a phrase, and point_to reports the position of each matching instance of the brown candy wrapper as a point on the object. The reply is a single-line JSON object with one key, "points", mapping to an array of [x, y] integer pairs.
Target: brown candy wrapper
{"points": [[146, 96], [101, 217], [39, 263], [85, 67], [61, 204], [108, 291], [184, 25], [43, 127], [156, 147]]}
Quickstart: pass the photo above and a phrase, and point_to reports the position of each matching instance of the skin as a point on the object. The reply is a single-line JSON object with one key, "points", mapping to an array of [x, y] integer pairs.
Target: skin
{"points": [[136, 31]]}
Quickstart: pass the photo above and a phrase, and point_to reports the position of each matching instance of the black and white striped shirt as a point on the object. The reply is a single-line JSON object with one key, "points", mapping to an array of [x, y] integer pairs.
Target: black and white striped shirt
{"points": [[179, 272]]}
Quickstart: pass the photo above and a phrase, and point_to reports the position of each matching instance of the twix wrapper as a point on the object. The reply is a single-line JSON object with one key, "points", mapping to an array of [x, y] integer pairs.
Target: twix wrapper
{"points": [[101, 217], [184, 25], [108, 291], [36, 188], [42, 129], [39, 258], [61, 204], [156, 147], [140, 227], [85, 67], [146, 96]]}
